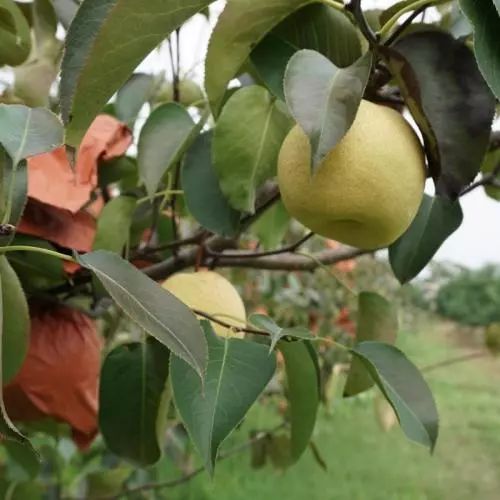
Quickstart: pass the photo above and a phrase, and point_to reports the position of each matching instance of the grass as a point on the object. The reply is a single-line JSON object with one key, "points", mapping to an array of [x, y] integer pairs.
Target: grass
{"points": [[365, 463]]}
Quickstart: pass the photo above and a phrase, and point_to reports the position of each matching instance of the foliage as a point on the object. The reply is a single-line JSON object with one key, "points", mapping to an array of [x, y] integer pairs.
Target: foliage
{"points": [[471, 297], [145, 175]]}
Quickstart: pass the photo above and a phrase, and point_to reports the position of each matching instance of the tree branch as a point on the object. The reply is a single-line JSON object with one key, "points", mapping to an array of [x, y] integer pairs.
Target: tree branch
{"points": [[284, 262], [252, 255], [187, 477]]}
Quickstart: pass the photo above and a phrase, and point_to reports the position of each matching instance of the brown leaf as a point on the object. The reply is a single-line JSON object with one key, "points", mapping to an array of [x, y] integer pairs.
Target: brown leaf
{"points": [[59, 378], [75, 231], [52, 181]]}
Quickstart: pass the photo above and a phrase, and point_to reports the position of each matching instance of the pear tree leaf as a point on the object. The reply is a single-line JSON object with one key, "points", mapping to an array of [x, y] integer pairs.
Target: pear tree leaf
{"points": [[162, 141], [36, 271], [15, 38], [240, 27], [270, 59], [325, 30], [301, 365], [247, 140], [133, 397], [272, 226], [324, 99], [315, 27], [377, 321], [152, 307], [238, 372], [105, 43], [107, 482], [386, 14], [113, 225], [436, 220], [132, 96], [404, 388], [202, 193], [490, 165], [453, 114], [7, 429], [16, 322], [276, 332], [26, 132], [19, 176], [486, 22]]}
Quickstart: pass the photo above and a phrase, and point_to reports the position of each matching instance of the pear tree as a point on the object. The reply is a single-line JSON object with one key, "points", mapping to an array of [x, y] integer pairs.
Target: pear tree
{"points": [[134, 206]]}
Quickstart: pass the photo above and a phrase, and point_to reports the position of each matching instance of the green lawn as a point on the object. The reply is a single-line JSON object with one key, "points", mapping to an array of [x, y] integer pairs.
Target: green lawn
{"points": [[365, 463]]}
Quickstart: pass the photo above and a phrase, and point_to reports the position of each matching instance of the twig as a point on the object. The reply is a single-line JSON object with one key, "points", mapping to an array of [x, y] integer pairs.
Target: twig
{"points": [[196, 239], [187, 477], [402, 27], [453, 361], [355, 7], [252, 255], [490, 179], [244, 329]]}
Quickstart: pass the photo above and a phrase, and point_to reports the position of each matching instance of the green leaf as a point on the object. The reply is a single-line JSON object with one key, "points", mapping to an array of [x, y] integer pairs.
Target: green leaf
{"points": [[377, 321], [121, 171], [133, 396], [152, 307], [272, 226], [393, 10], [162, 142], [202, 193], [19, 178], [302, 373], [22, 456], [324, 99], [240, 27], [132, 96], [454, 115], [36, 271], [16, 322], [24, 490], [315, 27], [276, 332], [107, 482], [26, 132], [105, 43], [404, 388], [325, 30], [486, 22], [113, 225], [436, 220], [7, 429], [246, 144], [270, 59], [15, 38], [237, 373], [490, 163]]}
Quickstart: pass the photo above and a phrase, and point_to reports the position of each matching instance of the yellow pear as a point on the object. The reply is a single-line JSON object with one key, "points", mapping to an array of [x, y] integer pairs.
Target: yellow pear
{"points": [[367, 190], [212, 294]]}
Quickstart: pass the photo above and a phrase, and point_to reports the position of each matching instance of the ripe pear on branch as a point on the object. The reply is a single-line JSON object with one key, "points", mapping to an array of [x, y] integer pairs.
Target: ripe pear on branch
{"points": [[367, 190], [212, 294]]}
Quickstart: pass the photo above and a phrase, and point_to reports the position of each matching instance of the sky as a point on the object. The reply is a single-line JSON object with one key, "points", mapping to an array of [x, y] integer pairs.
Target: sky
{"points": [[475, 243]]}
